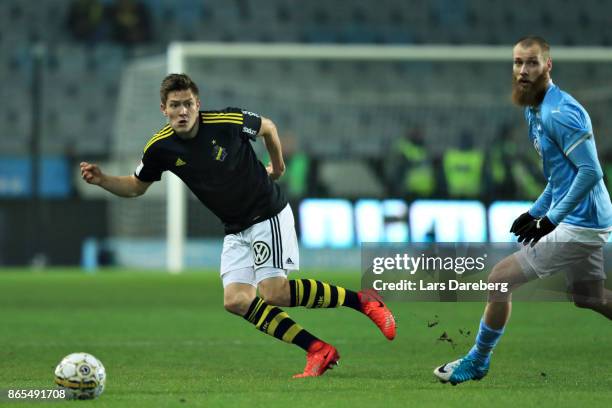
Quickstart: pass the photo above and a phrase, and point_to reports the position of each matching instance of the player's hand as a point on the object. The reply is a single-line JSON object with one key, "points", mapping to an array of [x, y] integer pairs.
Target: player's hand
{"points": [[521, 221], [274, 175], [534, 230], [91, 173]]}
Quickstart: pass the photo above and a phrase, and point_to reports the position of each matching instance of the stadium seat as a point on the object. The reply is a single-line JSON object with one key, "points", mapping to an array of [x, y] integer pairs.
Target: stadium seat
{"points": [[349, 178]]}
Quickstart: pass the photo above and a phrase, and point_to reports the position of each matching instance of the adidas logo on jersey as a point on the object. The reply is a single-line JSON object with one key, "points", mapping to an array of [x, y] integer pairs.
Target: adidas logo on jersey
{"points": [[179, 162], [289, 261]]}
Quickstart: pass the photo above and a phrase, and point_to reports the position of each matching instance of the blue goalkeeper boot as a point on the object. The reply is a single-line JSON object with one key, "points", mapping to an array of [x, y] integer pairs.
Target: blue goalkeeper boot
{"points": [[464, 369]]}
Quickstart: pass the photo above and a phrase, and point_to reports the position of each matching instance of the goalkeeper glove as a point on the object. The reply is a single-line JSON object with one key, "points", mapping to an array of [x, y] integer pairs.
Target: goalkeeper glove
{"points": [[534, 230], [521, 221]]}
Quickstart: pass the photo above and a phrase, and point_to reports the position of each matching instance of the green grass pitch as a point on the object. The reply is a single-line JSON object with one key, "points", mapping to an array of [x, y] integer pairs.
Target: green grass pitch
{"points": [[167, 342]]}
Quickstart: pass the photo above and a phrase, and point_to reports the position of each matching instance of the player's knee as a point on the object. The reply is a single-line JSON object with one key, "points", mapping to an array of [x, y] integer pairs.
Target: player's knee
{"points": [[497, 276], [506, 275], [275, 292], [498, 282], [276, 298], [493, 278], [506, 272], [237, 303]]}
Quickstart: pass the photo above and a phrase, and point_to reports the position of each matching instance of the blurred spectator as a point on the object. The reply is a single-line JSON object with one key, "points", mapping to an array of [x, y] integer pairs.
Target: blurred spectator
{"points": [[299, 179], [463, 169], [86, 20], [500, 156], [526, 168], [412, 171], [130, 22], [297, 174]]}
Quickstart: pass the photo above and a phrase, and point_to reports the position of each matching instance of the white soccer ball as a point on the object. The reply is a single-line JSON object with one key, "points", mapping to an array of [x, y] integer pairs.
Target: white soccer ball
{"points": [[81, 376]]}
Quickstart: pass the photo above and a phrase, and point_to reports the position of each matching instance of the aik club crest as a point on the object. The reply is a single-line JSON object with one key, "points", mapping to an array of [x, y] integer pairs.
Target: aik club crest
{"points": [[219, 153]]}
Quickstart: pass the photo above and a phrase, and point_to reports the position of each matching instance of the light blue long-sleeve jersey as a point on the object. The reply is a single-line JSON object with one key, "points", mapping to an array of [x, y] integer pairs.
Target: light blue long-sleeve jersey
{"points": [[561, 131]]}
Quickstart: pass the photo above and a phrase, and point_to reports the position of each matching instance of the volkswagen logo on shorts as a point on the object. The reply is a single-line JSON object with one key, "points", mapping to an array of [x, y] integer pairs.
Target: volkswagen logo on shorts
{"points": [[262, 252]]}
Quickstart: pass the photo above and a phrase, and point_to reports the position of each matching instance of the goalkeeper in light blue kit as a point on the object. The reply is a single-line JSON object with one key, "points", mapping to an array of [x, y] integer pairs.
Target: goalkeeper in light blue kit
{"points": [[574, 209]]}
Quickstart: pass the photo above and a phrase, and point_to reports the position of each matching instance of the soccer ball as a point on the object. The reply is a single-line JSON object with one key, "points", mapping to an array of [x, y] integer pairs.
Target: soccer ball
{"points": [[81, 376]]}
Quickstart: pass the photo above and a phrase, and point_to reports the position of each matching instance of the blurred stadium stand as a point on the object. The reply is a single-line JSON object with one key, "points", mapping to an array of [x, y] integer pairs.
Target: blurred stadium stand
{"points": [[87, 76], [92, 89]]}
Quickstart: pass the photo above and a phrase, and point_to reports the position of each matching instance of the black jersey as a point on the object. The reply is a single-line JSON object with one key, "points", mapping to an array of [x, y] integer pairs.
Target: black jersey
{"points": [[219, 166]]}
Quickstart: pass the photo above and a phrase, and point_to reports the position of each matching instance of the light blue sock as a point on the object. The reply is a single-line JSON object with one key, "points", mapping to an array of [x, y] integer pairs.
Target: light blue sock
{"points": [[486, 339]]}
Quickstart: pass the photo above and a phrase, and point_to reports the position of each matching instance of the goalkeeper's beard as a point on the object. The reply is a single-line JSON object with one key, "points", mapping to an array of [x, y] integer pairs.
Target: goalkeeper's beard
{"points": [[533, 94]]}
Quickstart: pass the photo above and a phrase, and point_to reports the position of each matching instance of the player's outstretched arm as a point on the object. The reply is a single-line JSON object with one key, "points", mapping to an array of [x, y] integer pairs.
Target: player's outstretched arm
{"points": [[268, 131], [122, 186]]}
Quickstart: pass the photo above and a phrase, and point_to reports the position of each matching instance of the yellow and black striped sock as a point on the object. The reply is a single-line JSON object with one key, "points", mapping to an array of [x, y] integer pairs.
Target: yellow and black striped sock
{"points": [[315, 294], [273, 321]]}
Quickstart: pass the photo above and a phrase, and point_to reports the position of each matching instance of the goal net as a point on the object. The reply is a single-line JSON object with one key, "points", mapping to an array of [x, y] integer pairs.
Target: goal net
{"points": [[335, 102]]}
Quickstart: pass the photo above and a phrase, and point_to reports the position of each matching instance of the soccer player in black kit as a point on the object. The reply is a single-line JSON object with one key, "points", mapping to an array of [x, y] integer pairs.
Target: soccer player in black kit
{"points": [[211, 152]]}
